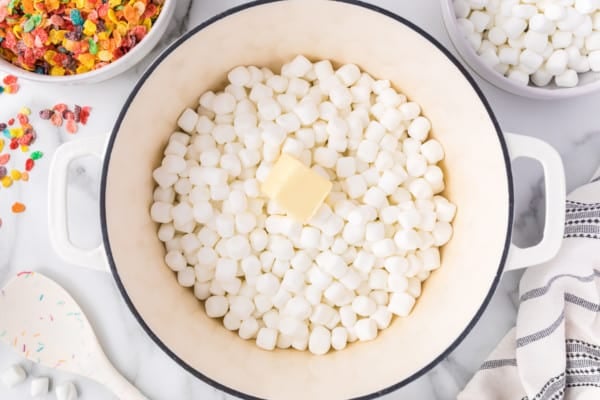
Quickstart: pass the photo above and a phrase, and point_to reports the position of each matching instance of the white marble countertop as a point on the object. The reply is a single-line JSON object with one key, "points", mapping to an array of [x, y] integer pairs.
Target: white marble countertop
{"points": [[572, 126]]}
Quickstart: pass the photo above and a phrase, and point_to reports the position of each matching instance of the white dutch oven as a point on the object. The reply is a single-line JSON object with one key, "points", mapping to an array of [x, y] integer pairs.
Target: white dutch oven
{"points": [[479, 181]]}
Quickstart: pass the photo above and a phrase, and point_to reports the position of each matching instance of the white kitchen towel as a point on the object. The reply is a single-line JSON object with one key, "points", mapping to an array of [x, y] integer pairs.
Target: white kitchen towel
{"points": [[553, 353]]}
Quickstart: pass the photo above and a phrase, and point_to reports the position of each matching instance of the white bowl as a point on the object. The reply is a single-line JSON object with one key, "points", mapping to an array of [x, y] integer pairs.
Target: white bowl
{"points": [[588, 82], [108, 71]]}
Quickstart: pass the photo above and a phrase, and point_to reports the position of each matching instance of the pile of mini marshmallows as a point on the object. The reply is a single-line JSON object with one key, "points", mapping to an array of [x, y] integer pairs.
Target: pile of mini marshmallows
{"points": [[532, 39], [40, 386], [362, 257]]}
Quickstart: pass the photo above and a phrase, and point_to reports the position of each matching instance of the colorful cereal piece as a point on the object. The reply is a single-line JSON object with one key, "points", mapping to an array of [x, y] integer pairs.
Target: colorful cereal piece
{"points": [[15, 174], [9, 79], [18, 208], [29, 164], [46, 114], [6, 181], [71, 126], [36, 155], [56, 119], [4, 159]]}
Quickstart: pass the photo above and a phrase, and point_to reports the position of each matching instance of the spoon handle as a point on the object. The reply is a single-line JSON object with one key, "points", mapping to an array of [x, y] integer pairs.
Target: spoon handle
{"points": [[116, 383]]}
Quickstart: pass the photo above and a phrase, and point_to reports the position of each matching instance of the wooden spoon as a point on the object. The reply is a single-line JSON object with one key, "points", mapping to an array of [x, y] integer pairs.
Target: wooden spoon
{"points": [[43, 323]]}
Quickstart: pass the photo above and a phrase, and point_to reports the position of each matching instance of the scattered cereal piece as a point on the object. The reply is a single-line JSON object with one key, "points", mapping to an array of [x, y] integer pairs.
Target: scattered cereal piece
{"points": [[36, 155], [18, 208], [15, 174], [61, 114], [71, 126], [29, 164], [9, 79], [25, 176], [4, 159], [6, 181]]}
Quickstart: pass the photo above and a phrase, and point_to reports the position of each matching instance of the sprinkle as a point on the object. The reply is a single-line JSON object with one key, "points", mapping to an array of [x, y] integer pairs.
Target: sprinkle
{"points": [[18, 208]]}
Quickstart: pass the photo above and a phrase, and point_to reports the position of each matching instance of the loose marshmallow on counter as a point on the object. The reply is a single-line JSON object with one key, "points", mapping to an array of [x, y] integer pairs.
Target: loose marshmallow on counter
{"points": [[13, 376], [66, 391]]}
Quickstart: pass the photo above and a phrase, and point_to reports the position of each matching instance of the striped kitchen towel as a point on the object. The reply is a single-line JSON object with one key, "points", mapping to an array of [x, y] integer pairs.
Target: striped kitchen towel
{"points": [[554, 351]]}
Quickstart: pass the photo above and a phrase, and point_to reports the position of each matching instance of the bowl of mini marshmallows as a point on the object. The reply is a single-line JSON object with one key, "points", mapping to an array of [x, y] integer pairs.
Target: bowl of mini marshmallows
{"points": [[544, 50], [296, 209]]}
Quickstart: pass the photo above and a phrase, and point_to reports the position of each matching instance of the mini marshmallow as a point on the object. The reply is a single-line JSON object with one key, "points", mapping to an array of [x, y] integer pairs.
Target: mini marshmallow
{"points": [[514, 27], [442, 233], [407, 239], [480, 20], [338, 294], [248, 328], [161, 212], [66, 391], [401, 304], [319, 342], [557, 62], [568, 78], [13, 376], [348, 74], [419, 128], [531, 59], [339, 338], [594, 60], [239, 76], [509, 55], [186, 277], [267, 284], [188, 120], [383, 248], [39, 387], [416, 165], [554, 11], [519, 76], [364, 306], [355, 187], [367, 151], [366, 329], [266, 338]]}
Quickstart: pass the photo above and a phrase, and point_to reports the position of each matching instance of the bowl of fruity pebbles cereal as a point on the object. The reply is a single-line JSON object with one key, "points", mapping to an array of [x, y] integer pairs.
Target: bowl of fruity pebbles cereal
{"points": [[78, 41]]}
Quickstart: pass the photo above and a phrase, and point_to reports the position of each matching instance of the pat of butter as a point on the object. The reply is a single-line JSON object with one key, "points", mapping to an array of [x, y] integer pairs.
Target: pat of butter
{"points": [[297, 189]]}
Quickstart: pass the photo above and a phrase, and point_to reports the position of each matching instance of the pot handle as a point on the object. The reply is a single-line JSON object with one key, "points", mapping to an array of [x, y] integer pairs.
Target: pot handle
{"points": [[57, 203], [554, 184]]}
